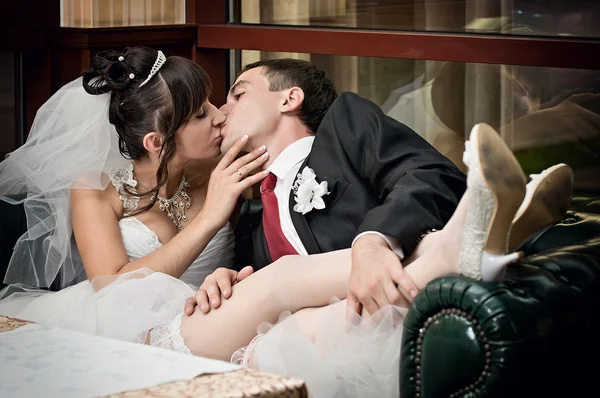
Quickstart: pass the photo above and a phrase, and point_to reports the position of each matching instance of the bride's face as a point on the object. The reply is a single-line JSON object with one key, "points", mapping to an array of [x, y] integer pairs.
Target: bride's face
{"points": [[201, 137]]}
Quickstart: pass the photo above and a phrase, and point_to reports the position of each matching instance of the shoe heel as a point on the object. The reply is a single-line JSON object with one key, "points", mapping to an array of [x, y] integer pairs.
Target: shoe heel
{"points": [[493, 265]]}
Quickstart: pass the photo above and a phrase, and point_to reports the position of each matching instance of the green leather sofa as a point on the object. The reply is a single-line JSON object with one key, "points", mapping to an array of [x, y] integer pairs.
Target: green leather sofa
{"points": [[535, 334]]}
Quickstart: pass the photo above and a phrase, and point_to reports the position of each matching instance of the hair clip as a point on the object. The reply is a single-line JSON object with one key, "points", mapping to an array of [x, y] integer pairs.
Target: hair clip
{"points": [[121, 58], [131, 76]]}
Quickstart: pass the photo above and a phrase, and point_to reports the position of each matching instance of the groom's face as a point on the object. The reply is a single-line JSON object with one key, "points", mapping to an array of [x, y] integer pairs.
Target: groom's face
{"points": [[250, 109]]}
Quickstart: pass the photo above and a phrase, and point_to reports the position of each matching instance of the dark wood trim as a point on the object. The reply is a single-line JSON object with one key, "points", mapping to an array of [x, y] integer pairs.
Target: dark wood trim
{"points": [[206, 12], [480, 48], [190, 11], [215, 61], [125, 36], [36, 38]]}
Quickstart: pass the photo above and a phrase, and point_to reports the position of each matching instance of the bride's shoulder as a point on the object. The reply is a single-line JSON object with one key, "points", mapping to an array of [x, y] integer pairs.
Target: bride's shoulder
{"points": [[112, 195], [87, 200]]}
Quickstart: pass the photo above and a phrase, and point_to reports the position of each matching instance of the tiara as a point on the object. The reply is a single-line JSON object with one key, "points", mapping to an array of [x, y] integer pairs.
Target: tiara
{"points": [[160, 60]]}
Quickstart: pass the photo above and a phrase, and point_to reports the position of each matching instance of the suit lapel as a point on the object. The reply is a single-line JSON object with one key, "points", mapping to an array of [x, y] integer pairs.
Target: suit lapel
{"points": [[300, 223]]}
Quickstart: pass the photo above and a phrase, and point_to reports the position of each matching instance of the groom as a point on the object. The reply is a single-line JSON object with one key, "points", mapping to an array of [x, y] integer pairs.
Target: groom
{"points": [[342, 175]]}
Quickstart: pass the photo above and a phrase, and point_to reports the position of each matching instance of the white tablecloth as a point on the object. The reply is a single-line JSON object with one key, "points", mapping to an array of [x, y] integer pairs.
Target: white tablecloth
{"points": [[59, 363]]}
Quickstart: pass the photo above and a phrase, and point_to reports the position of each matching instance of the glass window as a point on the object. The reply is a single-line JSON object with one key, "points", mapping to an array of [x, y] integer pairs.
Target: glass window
{"points": [[521, 17], [546, 115], [105, 13]]}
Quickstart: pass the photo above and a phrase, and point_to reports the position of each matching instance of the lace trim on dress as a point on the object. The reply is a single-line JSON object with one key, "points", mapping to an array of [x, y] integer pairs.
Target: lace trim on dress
{"points": [[169, 336], [123, 177], [243, 356]]}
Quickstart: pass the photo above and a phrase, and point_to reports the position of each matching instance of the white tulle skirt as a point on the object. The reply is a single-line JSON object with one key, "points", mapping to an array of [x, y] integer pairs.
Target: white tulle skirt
{"points": [[334, 355], [358, 357], [124, 307]]}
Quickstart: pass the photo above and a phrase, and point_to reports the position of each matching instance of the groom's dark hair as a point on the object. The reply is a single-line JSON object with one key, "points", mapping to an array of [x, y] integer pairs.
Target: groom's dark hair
{"points": [[319, 90]]}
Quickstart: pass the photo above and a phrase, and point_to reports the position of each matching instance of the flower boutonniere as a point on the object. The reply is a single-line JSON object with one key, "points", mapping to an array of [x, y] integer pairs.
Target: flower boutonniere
{"points": [[308, 193]]}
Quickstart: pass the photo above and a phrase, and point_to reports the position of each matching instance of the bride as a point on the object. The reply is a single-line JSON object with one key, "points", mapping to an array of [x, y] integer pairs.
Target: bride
{"points": [[125, 161], [140, 226]]}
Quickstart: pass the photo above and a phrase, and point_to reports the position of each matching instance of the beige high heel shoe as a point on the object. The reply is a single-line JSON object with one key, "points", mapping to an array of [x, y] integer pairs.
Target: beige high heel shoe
{"points": [[496, 189], [546, 202]]}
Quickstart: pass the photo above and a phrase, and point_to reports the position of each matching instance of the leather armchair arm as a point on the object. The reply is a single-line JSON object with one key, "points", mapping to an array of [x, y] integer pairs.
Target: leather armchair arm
{"points": [[527, 336], [463, 336]]}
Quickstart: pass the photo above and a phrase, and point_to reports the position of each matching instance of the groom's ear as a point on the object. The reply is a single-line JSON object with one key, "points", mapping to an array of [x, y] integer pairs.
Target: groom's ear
{"points": [[293, 100], [153, 142]]}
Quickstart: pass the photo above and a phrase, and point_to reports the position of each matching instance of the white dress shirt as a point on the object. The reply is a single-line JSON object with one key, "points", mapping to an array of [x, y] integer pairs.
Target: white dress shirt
{"points": [[285, 167]]}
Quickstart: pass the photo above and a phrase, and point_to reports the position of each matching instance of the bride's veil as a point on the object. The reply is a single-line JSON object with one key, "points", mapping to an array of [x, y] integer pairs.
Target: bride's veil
{"points": [[71, 145]]}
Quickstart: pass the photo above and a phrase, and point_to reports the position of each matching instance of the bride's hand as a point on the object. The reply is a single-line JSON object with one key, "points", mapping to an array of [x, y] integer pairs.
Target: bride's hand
{"points": [[229, 179], [216, 286]]}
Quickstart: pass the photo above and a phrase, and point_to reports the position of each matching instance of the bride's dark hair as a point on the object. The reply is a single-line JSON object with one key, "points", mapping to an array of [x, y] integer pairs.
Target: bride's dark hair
{"points": [[164, 104]]}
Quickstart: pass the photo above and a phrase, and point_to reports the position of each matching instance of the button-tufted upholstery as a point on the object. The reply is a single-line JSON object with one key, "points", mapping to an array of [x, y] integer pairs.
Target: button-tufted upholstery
{"points": [[534, 334]]}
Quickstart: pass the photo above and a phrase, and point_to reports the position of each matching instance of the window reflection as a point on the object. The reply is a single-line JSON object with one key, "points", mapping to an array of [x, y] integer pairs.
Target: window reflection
{"points": [[520, 17], [546, 115]]}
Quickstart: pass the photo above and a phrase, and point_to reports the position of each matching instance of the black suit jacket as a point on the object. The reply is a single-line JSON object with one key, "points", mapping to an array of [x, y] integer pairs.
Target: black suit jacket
{"points": [[381, 176]]}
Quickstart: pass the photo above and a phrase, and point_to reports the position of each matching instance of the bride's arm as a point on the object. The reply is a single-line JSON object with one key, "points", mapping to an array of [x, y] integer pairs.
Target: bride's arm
{"points": [[98, 236], [289, 284]]}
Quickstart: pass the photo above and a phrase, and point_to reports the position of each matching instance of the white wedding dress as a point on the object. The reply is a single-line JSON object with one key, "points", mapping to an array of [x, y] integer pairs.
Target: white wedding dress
{"points": [[146, 307], [337, 357], [127, 306]]}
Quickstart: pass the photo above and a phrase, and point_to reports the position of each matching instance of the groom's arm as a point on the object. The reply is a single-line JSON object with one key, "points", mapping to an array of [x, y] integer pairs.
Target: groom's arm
{"points": [[418, 186]]}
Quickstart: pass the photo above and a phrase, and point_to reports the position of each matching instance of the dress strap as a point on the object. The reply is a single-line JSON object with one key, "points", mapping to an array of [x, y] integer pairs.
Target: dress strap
{"points": [[123, 177]]}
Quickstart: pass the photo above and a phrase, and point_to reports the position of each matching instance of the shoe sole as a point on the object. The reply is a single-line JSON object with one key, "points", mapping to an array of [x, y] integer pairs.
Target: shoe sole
{"points": [[505, 180], [548, 205]]}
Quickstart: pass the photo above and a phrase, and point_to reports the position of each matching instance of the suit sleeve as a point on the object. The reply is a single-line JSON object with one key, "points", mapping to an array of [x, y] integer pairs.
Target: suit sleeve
{"points": [[418, 187]]}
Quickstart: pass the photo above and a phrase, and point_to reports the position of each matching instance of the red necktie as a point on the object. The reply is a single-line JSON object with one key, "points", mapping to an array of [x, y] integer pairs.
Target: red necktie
{"points": [[276, 241]]}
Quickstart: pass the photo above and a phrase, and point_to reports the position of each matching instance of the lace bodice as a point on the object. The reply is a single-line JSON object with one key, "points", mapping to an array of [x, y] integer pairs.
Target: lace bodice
{"points": [[123, 177], [139, 240]]}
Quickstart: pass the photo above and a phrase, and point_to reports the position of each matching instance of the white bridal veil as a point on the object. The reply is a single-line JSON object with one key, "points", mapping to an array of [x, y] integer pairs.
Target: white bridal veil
{"points": [[71, 145]]}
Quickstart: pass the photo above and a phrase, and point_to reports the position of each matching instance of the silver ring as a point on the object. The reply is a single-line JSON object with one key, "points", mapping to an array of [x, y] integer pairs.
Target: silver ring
{"points": [[240, 174]]}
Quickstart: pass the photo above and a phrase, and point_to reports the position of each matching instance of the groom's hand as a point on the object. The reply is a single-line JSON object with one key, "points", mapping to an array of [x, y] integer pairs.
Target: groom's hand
{"points": [[377, 277], [216, 285]]}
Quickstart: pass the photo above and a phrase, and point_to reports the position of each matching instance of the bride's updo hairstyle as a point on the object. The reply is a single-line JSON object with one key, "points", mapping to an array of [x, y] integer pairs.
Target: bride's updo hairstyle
{"points": [[163, 104]]}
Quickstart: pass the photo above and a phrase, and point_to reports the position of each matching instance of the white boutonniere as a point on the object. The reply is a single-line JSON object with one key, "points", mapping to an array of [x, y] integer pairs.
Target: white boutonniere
{"points": [[308, 193]]}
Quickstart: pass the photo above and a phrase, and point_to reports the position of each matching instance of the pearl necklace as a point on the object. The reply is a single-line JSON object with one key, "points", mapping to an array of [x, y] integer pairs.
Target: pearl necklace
{"points": [[176, 205]]}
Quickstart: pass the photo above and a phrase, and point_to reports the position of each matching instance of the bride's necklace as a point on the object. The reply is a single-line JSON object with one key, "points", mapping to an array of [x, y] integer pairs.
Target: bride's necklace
{"points": [[176, 205]]}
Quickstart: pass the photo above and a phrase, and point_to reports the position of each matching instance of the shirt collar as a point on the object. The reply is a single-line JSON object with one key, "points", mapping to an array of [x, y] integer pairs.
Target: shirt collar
{"points": [[291, 156]]}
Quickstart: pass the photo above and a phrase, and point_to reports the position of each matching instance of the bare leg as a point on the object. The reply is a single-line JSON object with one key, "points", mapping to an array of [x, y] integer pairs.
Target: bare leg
{"points": [[289, 284], [297, 282], [436, 255]]}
